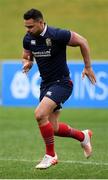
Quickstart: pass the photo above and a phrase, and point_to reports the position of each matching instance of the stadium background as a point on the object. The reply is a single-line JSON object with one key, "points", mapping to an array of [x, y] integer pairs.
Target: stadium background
{"points": [[19, 139]]}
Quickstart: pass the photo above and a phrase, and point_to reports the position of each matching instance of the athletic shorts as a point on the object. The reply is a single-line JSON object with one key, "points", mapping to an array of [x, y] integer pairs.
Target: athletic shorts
{"points": [[59, 91]]}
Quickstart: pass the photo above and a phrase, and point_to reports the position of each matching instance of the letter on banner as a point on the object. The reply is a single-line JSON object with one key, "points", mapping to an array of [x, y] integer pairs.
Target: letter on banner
{"points": [[20, 86]]}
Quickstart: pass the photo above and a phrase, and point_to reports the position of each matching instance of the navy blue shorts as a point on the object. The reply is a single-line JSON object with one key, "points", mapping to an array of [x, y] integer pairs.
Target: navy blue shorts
{"points": [[59, 91]]}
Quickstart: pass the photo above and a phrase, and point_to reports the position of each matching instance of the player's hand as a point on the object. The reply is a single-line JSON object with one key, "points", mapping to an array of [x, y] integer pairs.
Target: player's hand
{"points": [[27, 66], [90, 74]]}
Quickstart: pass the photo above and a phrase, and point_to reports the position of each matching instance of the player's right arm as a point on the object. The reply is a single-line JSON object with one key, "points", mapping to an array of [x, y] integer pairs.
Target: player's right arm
{"points": [[27, 60]]}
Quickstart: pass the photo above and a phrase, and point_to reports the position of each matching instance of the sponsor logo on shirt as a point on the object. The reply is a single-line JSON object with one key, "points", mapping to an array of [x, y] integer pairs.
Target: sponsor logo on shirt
{"points": [[33, 42], [42, 53]]}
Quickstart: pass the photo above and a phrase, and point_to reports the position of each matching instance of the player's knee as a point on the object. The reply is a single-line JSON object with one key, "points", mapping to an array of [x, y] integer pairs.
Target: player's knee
{"points": [[39, 115]]}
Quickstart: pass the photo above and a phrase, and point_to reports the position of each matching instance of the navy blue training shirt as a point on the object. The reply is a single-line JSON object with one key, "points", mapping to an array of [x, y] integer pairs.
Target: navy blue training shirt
{"points": [[49, 51]]}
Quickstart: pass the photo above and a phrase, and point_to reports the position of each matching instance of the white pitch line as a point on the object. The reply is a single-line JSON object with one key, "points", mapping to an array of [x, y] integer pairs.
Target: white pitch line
{"points": [[67, 162], [85, 162]]}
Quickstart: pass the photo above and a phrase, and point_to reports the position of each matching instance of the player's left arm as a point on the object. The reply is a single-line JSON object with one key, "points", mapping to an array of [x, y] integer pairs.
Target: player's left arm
{"points": [[77, 40]]}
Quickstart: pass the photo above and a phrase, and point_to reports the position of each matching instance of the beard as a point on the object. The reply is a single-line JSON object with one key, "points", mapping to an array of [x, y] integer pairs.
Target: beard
{"points": [[35, 33]]}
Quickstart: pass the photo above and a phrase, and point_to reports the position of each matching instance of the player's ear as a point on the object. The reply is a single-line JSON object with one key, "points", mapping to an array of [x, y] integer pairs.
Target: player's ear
{"points": [[41, 21]]}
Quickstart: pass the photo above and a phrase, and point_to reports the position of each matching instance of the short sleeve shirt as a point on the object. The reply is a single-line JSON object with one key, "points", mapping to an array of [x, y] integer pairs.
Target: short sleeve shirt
{"points": [[49, 51]]}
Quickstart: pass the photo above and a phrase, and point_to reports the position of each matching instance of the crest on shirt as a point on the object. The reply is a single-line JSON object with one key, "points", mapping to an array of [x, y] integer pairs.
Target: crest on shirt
{"points": [[33, 42], [48, 42]]}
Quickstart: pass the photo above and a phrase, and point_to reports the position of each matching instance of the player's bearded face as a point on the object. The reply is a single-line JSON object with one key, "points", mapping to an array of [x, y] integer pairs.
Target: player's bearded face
{"points": [[34, 27]]}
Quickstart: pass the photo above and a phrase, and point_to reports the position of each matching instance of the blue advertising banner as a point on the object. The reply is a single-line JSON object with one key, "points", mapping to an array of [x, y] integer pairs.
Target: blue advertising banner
{"points": [[19, 89]]}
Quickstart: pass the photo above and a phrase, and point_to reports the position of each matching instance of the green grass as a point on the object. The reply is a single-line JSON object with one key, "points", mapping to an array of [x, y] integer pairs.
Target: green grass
{"points": [[21, 146], [88, 18]]}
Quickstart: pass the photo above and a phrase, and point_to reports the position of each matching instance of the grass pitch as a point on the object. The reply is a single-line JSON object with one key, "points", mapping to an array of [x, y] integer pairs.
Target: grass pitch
{"points": [[21, 146]]}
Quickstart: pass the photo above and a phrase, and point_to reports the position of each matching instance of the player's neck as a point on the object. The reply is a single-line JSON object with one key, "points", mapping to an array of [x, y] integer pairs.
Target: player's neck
{"points": [[44, 27]]}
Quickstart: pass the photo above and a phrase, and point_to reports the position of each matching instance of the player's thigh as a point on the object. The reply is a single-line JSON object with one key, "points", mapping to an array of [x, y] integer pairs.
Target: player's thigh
{"points": [[45, 108]]}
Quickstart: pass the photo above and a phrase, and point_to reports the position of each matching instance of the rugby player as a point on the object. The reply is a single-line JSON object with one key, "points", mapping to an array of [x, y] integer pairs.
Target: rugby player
{"points": [[47, 45]]}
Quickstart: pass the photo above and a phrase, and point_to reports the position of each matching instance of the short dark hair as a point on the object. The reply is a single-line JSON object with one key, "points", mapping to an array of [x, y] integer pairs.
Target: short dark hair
{"points": [[33, 14]]}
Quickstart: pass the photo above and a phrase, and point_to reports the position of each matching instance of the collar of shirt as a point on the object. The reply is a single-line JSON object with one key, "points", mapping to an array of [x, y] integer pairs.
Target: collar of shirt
{"points": [[44, 31]]}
